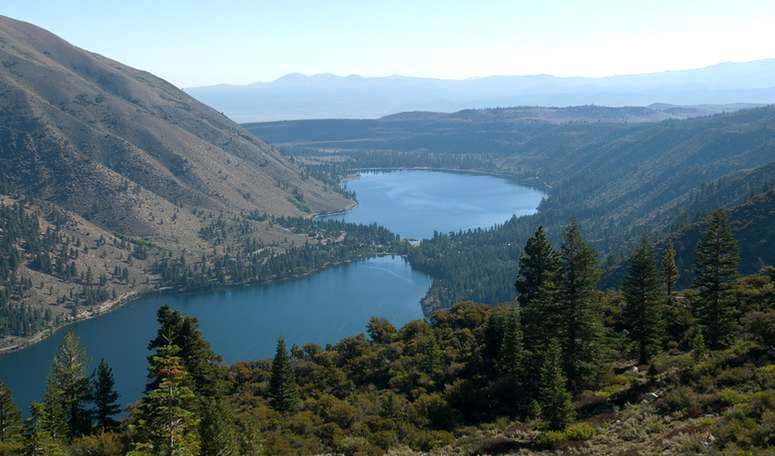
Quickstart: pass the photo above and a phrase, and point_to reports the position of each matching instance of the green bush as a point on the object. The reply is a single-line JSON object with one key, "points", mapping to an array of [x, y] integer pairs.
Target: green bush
{"points": [[574, 432], [550, 439], [438, 413], [580, 431], [760, 326], [734, 376], [428, 440], [681, 399], [103, 444]]}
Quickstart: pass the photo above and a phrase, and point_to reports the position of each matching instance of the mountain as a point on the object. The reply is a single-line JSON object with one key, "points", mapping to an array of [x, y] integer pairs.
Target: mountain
{"points": [[102, 154], [296, 96], [621, 177], [753, 227], [585, 114], [76, 124]]}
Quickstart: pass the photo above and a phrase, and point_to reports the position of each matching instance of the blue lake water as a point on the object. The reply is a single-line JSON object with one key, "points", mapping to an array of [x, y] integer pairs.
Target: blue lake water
{"points": [[415, 203], [244, 323], [240, 323]]}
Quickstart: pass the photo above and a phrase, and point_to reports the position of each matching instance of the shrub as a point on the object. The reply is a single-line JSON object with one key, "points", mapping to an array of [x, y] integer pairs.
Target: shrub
{"points": [[761, 402], [764, 434], [103, 444], [13, 448], [353, 445], [335, 410], [734, 376], [580, 431], [574, 432], [681, 399], [437, 411], [765, 377], [428, 440], [760, 326], [550, 439], [727, 397], [330, 434]]}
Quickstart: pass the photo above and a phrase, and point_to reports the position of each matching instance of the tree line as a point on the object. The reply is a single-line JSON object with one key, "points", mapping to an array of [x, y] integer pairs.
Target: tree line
{"points": [[533, 360]]}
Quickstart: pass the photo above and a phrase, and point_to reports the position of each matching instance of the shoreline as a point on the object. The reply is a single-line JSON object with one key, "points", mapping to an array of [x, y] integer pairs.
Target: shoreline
{"points": [[479, 172], [87, 314], [132, 296], [350, 207]]}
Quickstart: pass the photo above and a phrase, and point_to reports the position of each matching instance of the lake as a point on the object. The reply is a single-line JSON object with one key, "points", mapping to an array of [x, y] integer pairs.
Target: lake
{"points": [[244, 323], [240, 323], [415, 203]]}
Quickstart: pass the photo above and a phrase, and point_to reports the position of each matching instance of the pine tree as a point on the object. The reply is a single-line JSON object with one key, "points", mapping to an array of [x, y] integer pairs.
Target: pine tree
{"points": [[39, 441], [216, 429], [198, 357], [283, 390], [698, 345], [716, 268], [432, 357], [10, 419], [556, 406], [643, 298], [581, 323], [670, 271], [51, 414], [167, 422], [536, 284], [69, 386], [105, 397], [493, 339], [512, 350]]}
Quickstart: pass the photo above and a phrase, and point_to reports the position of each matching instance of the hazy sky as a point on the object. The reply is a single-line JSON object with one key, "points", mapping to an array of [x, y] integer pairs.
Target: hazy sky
{"points": [[193, 43]]}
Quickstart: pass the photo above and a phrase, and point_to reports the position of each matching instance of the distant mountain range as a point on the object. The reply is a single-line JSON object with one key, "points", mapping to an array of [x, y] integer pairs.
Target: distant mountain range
{"points": [[296, 96]]}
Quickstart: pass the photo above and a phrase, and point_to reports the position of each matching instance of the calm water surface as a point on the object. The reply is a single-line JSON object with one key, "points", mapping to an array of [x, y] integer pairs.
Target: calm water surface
{"points": [[240, 323], [414, 204], [244, 323]]}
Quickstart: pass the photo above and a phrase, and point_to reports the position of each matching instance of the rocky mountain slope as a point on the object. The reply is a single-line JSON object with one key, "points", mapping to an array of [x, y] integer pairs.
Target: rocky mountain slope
{"points": [[121, 153]]}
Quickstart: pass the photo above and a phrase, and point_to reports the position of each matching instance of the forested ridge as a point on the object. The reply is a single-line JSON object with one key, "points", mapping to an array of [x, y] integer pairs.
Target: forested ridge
{"points": [[41, 241], [621, 180], [328, 243], [568, 368]]}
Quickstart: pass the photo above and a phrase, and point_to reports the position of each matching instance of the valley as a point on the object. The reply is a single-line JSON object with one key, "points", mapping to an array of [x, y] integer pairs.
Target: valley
{"points": [[620, 179], [385, 265], [242, 322]]}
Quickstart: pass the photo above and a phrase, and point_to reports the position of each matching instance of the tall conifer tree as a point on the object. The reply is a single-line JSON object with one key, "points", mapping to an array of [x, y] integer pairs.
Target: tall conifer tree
{"points": [[555, 401], [197, 356], [10, 419], [581, 324], [716, 268], [105, 396], [512, 349], [643, 298], [536, 284], [40, 441], [670, 271], [69, 386], [167, 424], [217, 428], [283, 389]]}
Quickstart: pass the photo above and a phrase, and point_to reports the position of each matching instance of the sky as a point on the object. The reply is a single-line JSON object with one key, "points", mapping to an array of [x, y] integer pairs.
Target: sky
{"points": [[204, 42]]}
